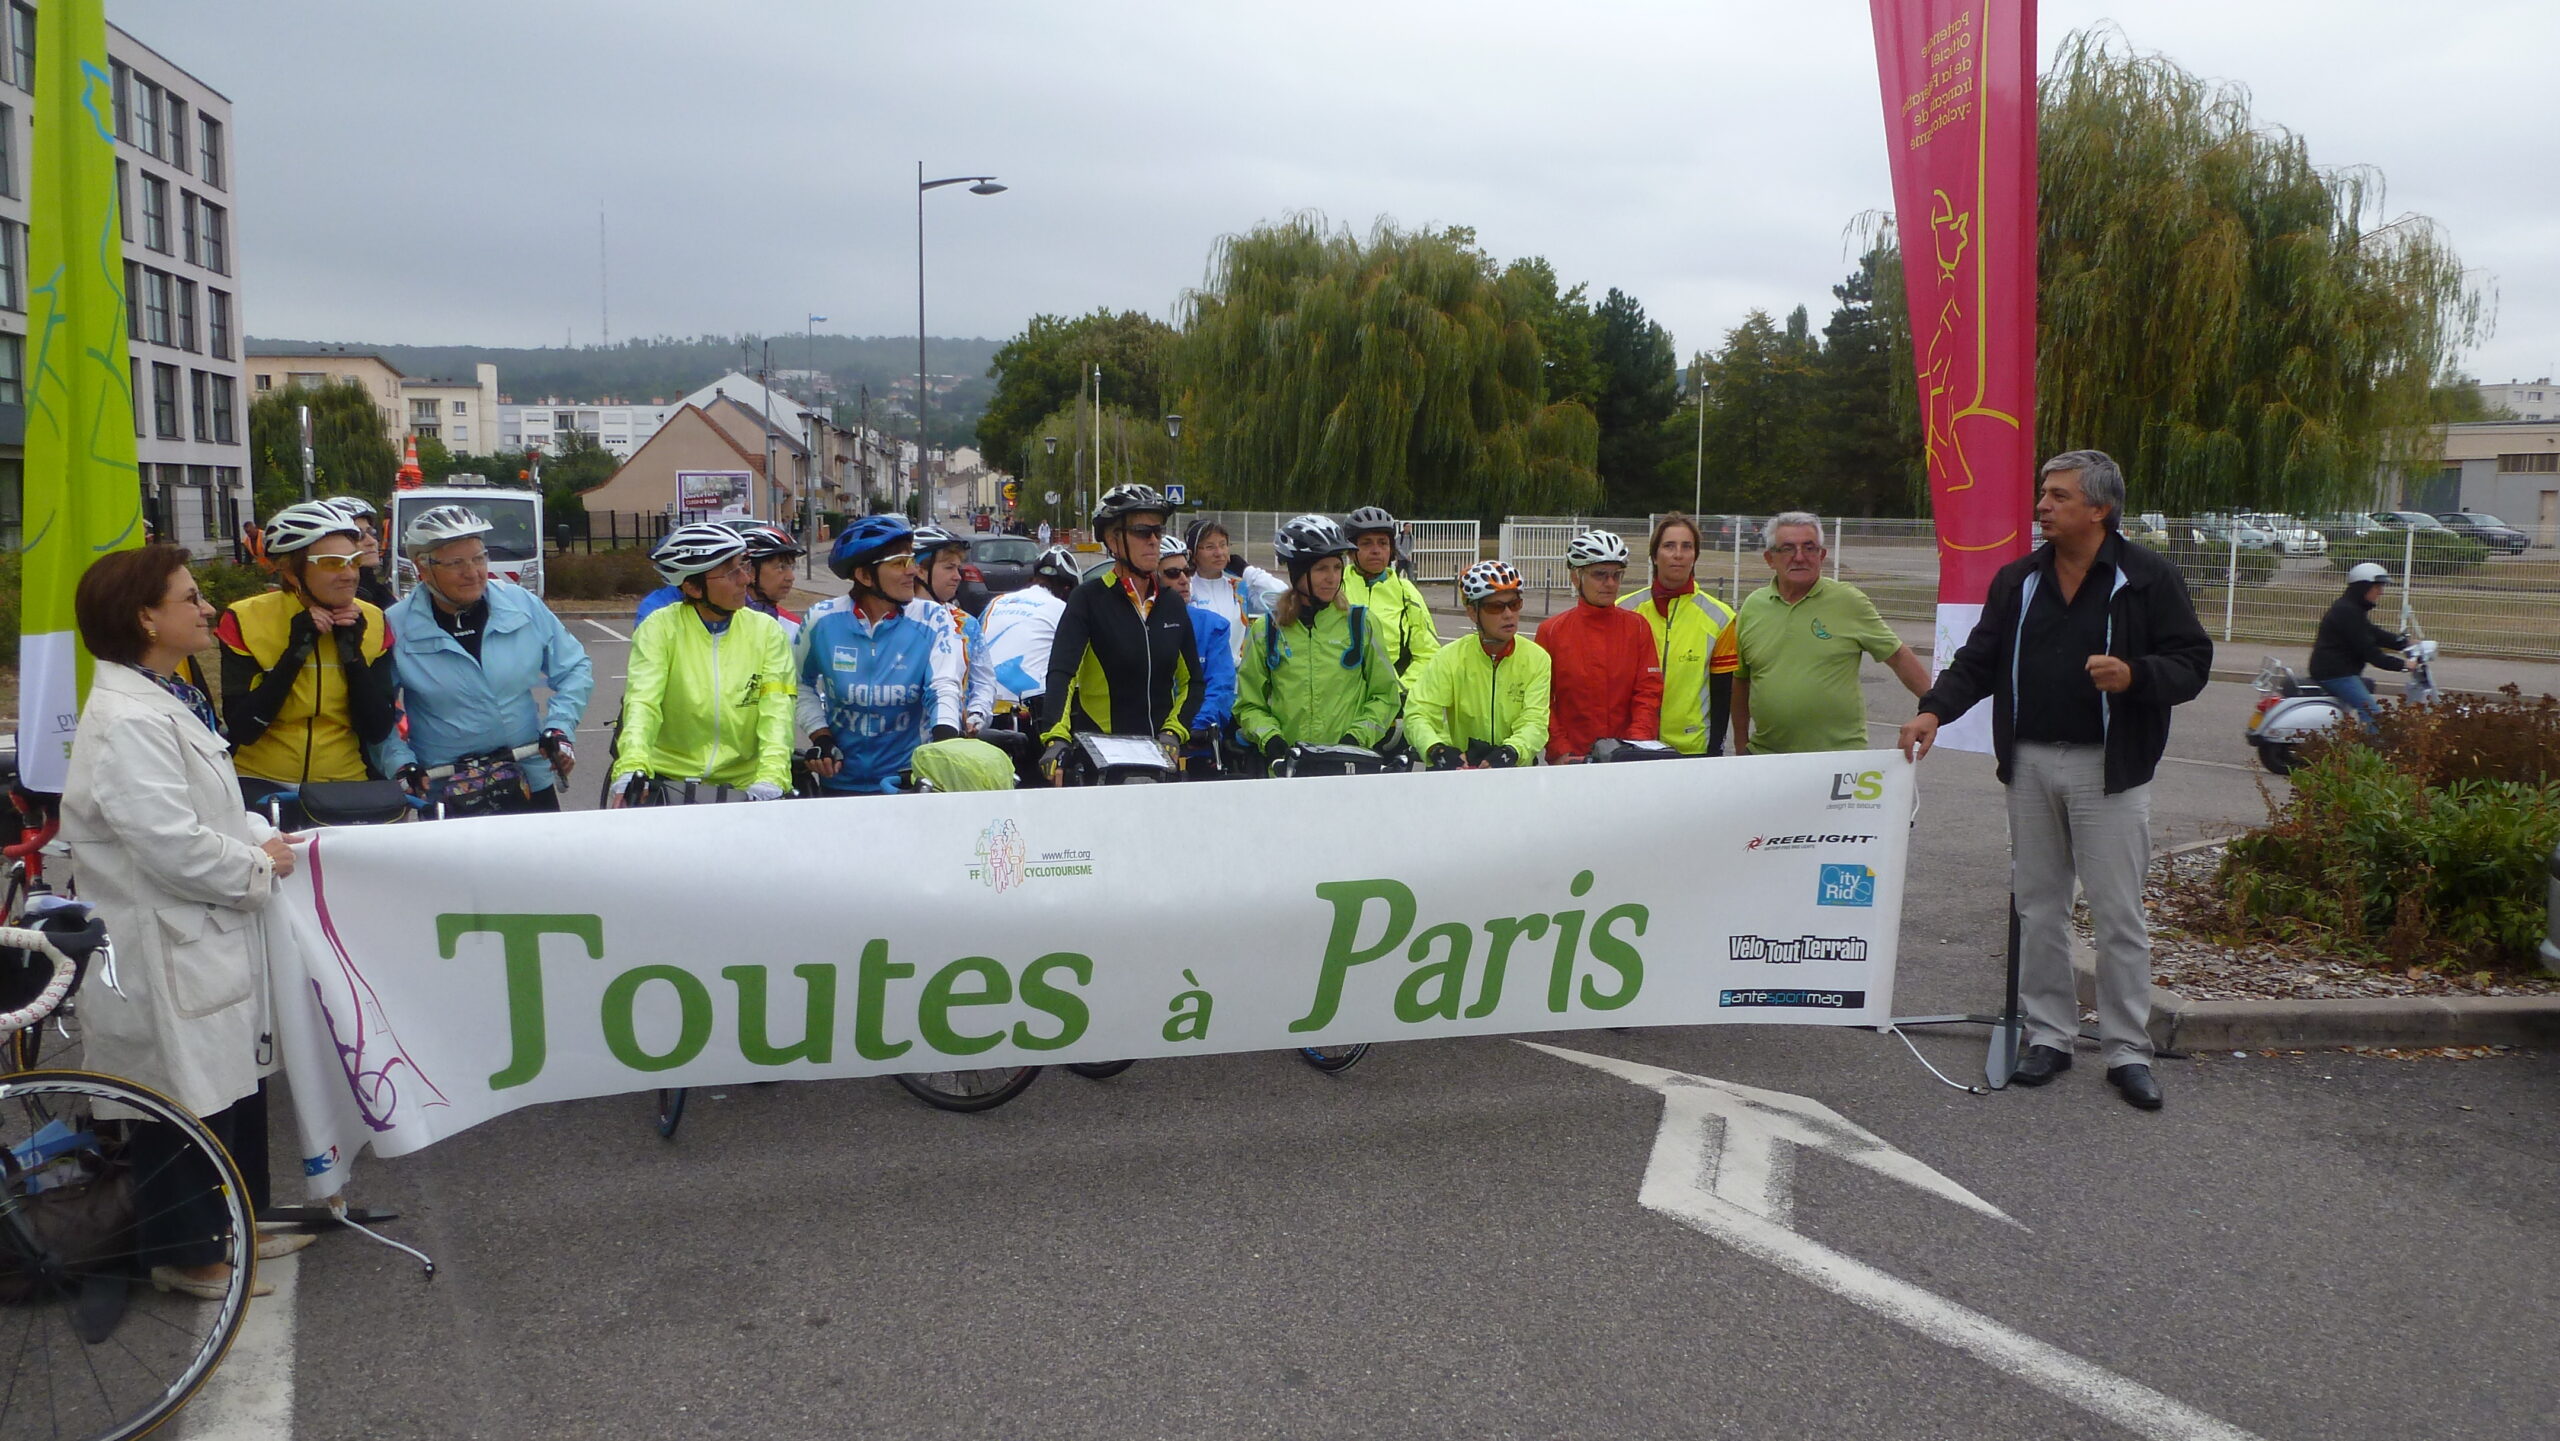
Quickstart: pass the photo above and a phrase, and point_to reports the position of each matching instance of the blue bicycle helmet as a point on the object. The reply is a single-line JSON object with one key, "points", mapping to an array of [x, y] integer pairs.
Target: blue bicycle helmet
{"points": [[868, 540]]}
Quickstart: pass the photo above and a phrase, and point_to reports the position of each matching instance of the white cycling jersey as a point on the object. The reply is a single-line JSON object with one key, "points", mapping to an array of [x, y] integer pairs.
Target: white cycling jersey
{"points": [[1016, 632], [1237, 598]]}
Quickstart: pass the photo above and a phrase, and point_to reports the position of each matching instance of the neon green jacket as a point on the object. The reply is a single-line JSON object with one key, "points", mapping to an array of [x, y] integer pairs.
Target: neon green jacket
{"points": [[699, 706], [1463, 694], [1402, 616], [1317, 690]]}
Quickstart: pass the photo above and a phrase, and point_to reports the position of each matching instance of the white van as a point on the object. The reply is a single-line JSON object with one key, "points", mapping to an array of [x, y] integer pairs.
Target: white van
{"points": [[515, 528]]}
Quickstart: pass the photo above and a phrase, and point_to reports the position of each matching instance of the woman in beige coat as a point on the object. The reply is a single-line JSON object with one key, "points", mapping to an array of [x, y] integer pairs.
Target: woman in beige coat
{"points": [[178, 871]]}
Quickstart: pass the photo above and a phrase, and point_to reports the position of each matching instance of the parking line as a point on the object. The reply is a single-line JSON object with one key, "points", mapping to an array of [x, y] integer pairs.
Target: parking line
{"points": [[610, 632], [250, 1398]]}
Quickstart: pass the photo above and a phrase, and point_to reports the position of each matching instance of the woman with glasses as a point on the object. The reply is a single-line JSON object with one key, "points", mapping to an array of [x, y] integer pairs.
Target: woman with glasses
{"points": [[707, 705], [468, 651], [1225, 586], [1123, 662], [306, 668], [1216, 654]]}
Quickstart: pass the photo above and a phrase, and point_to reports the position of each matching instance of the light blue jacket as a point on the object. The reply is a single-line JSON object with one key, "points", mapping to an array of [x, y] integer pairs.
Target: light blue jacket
{"points": [[457, 707]]}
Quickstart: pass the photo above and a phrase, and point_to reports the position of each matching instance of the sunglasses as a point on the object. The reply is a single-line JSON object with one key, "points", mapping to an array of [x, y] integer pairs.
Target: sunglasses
{"points": [[332, 562], [1173, 572], [1146, 532]]}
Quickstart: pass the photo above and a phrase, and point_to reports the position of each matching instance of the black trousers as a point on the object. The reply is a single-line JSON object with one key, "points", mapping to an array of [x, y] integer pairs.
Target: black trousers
{"points": [[179, 1216]]}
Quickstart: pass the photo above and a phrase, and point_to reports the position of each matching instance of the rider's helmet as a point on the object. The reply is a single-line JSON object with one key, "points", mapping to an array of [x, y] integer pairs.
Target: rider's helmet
{"points": [[1368, 519], [354, 507], [1171, 546], [1486, 577], [2367, 572], [1595, 547], [442, 525], [1056, 565], [690, 550], [867, 542], [1308, 539], [1122, 501], [765, 540], [302, 525], [930, 537]]}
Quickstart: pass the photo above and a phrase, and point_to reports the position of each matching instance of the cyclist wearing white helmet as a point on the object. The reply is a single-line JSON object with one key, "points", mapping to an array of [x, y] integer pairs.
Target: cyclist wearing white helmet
{"points": [[1315, 670], [1122, 664], [1482, 701], [370, 585], [1607, 681], [469, 651], [709, 694], [1222, 584], [770, 553], [940, 553], [306, 668], [1210, 645], [1018, 628], [1393, 600], [2348, 641]]}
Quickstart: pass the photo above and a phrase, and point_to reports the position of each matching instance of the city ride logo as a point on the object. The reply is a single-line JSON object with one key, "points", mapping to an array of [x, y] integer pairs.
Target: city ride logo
{"points": [[1804, 842], [1006, 860], [1848, 885]]}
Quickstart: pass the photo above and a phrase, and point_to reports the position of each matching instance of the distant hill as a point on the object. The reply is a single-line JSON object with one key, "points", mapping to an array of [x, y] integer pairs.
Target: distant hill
{"points": [[667, 367]]}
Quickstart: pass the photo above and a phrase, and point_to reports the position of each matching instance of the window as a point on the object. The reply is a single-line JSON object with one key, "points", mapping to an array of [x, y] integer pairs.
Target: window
{"points": [[217, 244], [186, 313], [155, 213], [132, 300], [2547, 463], [13, 255], [8, 151], [226, 403], [155, 306], [12, 501], [200, 391], [146, 117], [176, 130], [187, 203], [266, 383], [217, 325], [422, 410], [200, 480], [13, 361], [164, 401], [124, 200], [22, 45], [461, 408], [307, 379], [209, 159], [123, 101]]}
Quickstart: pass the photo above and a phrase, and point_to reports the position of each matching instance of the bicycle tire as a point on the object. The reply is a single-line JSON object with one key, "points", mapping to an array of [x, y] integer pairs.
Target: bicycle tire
{"points": [[69, 1372], [981, 1090], [670, 1112], [1333, 1060], [1099, 1070]]}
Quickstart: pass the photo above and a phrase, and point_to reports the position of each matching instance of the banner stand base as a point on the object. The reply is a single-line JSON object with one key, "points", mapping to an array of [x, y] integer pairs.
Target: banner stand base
{"points": [[2002, 1061]]}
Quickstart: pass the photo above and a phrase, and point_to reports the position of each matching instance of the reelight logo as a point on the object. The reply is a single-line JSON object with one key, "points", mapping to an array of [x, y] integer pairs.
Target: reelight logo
{"points": [[1804, 842]]}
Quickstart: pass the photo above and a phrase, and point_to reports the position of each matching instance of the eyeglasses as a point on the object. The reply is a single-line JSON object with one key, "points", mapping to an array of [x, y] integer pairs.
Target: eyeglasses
{"points": [[1809, 548], [734, 568], [463, 562], [332, 562], [1145, 532]]}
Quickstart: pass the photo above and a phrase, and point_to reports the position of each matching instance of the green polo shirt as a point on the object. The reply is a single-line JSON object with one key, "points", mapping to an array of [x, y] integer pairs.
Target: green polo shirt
{"points": [[1802, 662]]}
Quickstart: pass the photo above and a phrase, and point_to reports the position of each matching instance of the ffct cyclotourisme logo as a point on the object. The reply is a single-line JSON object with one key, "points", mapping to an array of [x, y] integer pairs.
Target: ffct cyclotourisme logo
{"points": [[1001, 856]]}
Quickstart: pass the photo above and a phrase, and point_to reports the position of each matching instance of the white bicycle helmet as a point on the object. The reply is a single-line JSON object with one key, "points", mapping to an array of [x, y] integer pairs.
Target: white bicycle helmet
{"points": [[1487, 577], [2365, 572], [355, 507], [690, 550], [305, 524], [1596, 547], [442, 525], [1171, 546]]}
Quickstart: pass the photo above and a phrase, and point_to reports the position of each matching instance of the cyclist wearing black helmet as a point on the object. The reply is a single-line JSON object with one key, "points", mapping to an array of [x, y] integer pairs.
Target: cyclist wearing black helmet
{"points": [[1122, 663], [880, 674], [1314, 670], [1394, 602]]}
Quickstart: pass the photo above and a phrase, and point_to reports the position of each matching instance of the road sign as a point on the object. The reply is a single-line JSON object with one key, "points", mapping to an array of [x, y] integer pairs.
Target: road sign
{"points": [[1050, 496], [1012, 492], [1176, 493]]}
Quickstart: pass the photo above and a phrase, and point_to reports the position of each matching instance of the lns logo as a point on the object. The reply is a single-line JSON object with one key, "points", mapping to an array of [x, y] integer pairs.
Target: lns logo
{"points": [[1857, 785]]}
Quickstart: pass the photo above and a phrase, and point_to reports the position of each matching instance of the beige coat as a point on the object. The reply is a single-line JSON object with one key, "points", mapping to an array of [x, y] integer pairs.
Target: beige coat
{"points": [[161, 845]]}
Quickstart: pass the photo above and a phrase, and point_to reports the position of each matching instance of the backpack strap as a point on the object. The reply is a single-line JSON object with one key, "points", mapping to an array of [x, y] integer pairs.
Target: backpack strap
{"points": [[1357, 652]]}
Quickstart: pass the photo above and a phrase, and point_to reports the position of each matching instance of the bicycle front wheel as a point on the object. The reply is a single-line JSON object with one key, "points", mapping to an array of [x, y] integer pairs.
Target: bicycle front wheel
{"points": [[969, 1090], [96, 1356], [1333, 1060], [670, 1112]]}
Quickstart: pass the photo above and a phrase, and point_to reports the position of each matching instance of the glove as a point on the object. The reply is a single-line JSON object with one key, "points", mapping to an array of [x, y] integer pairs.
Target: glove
{"points": [[764, 791], [1348, 739], [1445, 758], [1275, 749], [412, 778], [557, 749], [1052, 757], [822, 747], [1503, 756], [945, 733]]}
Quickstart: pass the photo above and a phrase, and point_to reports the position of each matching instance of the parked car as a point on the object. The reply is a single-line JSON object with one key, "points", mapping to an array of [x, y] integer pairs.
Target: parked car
{"points": [[2486, 529], [2150, 528], [2345, 525], [993, 565], [2292, 536], [2406, 520], [2219, 530]]}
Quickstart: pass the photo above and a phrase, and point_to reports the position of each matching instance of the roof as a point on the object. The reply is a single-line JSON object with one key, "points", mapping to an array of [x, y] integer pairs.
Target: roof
{"points": [[753, 461]]}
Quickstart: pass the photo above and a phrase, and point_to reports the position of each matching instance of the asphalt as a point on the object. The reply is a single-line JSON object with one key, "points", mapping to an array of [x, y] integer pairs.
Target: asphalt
{"points": [[1447, 1240]]}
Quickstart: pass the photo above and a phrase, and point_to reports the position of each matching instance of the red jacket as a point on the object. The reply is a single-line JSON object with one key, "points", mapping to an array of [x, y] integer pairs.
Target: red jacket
{"points": [[1608, 678]]}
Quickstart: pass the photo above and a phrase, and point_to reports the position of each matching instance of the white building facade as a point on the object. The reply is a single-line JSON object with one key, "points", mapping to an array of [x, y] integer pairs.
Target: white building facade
{"points": [[2523, 399]]}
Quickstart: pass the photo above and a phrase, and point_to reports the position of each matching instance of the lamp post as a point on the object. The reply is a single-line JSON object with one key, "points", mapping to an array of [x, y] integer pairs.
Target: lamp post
{"points": [[1698, 393], [978, 185], [1173, 461], [1048, 447]]}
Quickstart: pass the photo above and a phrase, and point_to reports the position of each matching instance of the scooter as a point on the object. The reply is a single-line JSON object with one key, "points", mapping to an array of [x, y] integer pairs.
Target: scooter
{"points": [[2291, 712]]}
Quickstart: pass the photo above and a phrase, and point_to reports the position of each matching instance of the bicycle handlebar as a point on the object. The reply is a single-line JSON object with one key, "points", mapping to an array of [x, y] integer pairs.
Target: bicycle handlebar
{"points": [[66, 972], [521, 753]]}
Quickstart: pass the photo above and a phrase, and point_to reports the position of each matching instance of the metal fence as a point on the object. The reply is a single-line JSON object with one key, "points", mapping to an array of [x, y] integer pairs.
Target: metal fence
{"points": [[1439, 549]]}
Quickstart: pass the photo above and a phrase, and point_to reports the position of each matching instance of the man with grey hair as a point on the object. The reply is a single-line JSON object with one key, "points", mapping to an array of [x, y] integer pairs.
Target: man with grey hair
{"points": [[1798, 639], [2083, 647]]}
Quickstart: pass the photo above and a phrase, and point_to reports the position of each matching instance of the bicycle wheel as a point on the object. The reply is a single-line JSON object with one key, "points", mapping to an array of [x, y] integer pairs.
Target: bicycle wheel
{"points": [[97, 1357], [1333, 1060], [1100, 1070], [670, 1111], [969, 1090]]}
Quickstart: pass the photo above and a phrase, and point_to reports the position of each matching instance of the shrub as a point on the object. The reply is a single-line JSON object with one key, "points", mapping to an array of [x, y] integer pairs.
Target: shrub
{"points": [[10, 576], [2204, 563], [2433, 553], [598, 575], [222, 582], [2430, 850]]}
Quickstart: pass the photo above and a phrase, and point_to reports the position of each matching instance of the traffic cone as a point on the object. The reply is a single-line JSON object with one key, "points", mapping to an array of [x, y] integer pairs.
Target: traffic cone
{"points": [[411, 477]]}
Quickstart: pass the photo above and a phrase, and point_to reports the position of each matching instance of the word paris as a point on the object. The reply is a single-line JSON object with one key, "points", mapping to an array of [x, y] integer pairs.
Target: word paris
{"points": [[440, 975]]}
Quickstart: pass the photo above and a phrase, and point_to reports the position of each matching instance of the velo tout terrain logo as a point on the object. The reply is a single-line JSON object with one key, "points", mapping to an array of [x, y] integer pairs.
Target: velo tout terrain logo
{"points": [[1778, 951], [1849, 885], [1005, 860]]}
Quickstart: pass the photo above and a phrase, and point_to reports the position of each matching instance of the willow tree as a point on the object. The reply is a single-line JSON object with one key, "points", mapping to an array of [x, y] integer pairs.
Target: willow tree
{"points": [[1323, 371], [2239, 327]]}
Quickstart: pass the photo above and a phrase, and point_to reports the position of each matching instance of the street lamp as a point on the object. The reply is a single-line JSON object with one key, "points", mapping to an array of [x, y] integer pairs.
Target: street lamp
{"points": [[978, 185], [1173, 465]]}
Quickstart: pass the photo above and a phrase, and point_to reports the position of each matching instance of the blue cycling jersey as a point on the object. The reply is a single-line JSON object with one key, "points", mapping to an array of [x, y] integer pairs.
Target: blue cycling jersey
{"points": [[873, 686], [655, 601]]}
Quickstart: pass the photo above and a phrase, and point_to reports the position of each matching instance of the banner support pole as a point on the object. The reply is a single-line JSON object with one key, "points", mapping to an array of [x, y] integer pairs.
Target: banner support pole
{"points": [[2002, 1062]]}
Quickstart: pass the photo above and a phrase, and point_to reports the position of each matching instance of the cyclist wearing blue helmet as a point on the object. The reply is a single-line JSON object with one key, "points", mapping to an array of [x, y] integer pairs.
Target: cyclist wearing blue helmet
{"points": [[879, 676]]}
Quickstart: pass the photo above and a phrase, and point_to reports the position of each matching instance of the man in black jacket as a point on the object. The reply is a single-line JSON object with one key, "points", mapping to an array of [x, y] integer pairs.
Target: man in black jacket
{"points": [[2349, 641], [2083, 647]]}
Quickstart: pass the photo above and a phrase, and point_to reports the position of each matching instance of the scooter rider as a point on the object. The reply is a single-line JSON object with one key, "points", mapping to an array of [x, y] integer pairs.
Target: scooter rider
{"points": [[709, 692], [1395, 603], [2348, 641], [1121, 663], [1482, 701], [879, 675], [1607, 677]]}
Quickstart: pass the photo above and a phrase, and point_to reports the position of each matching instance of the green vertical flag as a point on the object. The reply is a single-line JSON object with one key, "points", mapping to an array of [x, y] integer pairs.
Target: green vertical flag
{"points": [[83, 493]]}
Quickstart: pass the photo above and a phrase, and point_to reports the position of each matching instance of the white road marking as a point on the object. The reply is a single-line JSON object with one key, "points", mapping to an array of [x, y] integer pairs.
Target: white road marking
{"points": [[1721, 1165], [609, 631], [250, 1395]]}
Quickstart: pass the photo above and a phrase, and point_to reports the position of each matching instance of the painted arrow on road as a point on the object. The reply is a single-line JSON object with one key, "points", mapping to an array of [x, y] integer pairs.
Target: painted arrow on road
{"points": [[1723, 1164]]}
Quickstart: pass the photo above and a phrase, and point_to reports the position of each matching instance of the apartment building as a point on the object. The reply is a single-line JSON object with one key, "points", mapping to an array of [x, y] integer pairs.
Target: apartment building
{"points": [[174, 170], [2522, 399]]}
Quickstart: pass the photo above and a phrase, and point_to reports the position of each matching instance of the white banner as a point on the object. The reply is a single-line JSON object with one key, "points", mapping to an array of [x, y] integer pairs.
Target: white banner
{"points": [[432, 976]]}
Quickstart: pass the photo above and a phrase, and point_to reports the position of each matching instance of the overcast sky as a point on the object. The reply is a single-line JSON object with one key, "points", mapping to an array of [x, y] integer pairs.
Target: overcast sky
{"points": [[432, 172]]}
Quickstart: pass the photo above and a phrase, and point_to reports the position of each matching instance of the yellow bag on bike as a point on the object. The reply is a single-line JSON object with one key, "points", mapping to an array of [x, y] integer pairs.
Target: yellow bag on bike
{"points": [[962, 765]]}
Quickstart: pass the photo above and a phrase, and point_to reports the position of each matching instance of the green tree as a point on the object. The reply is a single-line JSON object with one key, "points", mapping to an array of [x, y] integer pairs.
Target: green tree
{"points": [[577, 465], [1639, 390], [1568, 333], [1867, 458], [1322, 370], [1042, 370], [351, 454], [1758, 423]]}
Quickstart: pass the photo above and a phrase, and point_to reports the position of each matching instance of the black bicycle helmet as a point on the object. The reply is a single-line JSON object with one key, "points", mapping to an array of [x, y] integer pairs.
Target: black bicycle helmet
{"points": [[765, 540], [1308, 539], [1122, 501], [1366, 519]]}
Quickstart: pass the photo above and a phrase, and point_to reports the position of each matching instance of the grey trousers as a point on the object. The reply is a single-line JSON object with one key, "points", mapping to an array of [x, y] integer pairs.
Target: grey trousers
{"points": [[2062, 824]]}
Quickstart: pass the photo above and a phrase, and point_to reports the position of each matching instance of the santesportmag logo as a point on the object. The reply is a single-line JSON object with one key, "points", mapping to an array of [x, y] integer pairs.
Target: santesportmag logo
{"points": [[1848, 885]]}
